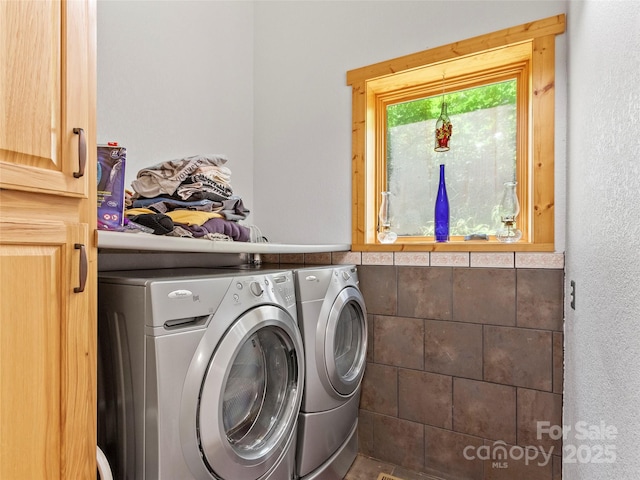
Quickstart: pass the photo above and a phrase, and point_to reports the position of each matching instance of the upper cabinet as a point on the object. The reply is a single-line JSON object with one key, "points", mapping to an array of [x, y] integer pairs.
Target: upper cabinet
{"points": [[48, 253], [45, 98]]}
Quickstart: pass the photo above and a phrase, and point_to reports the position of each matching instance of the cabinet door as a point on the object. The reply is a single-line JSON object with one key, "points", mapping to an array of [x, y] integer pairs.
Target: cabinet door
{"points": [[45, 95], [47, 354]]}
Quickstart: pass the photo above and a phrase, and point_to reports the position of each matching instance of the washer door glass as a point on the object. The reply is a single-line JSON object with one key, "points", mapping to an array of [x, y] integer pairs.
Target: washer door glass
{"points": [[346, 341], [251, 394], [258, 385]]}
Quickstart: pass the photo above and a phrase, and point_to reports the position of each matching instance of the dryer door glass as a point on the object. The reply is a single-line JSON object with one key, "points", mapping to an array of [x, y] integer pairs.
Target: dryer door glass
{"points": [[346, 341]]}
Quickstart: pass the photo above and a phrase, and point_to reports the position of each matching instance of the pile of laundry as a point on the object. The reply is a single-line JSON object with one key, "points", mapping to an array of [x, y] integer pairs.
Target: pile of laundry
{"points": [[190, 197]]}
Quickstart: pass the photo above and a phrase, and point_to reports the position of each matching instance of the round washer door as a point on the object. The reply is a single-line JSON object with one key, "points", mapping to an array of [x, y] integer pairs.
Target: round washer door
{"points": [[251, 395], [346, 341]]}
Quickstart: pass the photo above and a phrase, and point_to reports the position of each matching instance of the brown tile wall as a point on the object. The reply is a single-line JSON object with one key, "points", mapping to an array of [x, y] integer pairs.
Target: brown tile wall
{"points": [[463, 358]]}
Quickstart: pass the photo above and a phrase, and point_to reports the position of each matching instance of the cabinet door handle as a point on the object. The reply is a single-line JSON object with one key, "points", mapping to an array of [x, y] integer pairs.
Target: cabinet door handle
{"points": [[83, 267], [82, 152]]}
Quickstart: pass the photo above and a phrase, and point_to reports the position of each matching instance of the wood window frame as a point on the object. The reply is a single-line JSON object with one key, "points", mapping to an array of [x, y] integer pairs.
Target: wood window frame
{"points": [[529, 51]]}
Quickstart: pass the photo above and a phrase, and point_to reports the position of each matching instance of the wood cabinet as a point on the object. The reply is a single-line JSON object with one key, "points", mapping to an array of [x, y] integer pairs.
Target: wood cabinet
{"points": [[48, 253]]}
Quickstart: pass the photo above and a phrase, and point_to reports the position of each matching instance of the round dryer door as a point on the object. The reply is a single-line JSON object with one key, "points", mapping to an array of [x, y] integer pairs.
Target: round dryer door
{"points": [[251, 395], [346, 341]]}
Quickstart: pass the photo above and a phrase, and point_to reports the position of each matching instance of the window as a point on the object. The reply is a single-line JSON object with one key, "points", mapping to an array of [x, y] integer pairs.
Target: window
{"points": [[499, 89], [482, 158]]}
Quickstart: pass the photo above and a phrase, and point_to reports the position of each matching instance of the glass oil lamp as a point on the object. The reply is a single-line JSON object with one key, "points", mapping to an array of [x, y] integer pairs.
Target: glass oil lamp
{"points": [[385, 235], [508, 210]]}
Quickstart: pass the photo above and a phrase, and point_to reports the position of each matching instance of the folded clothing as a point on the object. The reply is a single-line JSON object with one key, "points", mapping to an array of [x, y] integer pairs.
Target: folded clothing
{"points": [[199, 187], [231, 209], [233, 230], [160, 224], [191, 217], [166, 204], [130, 212], [165, 177]]}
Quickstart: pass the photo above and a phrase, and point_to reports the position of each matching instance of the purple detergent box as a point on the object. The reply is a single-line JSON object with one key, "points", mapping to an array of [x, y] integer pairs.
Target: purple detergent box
{"points": [[111, 161]]}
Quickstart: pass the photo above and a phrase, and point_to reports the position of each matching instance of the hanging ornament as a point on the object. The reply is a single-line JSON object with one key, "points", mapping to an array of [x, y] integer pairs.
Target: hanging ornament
{"points": [[443, 126]]}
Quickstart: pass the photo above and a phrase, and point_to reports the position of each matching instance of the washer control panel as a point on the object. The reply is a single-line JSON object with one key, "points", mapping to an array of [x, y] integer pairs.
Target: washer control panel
{"points": [[256, 289], [277, 287], [283, 284]]}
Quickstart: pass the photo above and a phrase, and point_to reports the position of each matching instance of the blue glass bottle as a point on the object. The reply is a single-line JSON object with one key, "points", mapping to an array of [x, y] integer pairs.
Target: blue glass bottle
{"points": [[442, 210]]}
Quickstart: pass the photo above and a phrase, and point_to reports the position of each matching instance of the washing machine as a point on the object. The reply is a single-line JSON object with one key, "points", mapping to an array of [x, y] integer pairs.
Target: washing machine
{"points": [[201, 374], [333, 323]]}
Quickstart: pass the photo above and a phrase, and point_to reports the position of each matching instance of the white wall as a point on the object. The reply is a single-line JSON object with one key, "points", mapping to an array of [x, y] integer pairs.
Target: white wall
{"points": [[602, 336], [303, 105], [175, 78], [178, 78]]}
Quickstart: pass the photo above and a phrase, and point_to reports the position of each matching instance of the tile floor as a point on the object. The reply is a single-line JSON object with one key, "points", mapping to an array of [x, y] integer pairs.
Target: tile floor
{"points": [[366, 468]]}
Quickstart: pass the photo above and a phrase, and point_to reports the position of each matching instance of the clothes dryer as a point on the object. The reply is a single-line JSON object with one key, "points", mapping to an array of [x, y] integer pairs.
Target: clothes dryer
{"points": [[333, 323], [200, 374]]}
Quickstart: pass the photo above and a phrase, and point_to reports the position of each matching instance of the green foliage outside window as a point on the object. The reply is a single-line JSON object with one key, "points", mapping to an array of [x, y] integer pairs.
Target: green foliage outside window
{"points": [[463, 101]]}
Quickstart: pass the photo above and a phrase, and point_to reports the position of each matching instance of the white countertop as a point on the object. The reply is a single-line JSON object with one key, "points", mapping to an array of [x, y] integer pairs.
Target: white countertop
{"points": [[147, 241]]}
